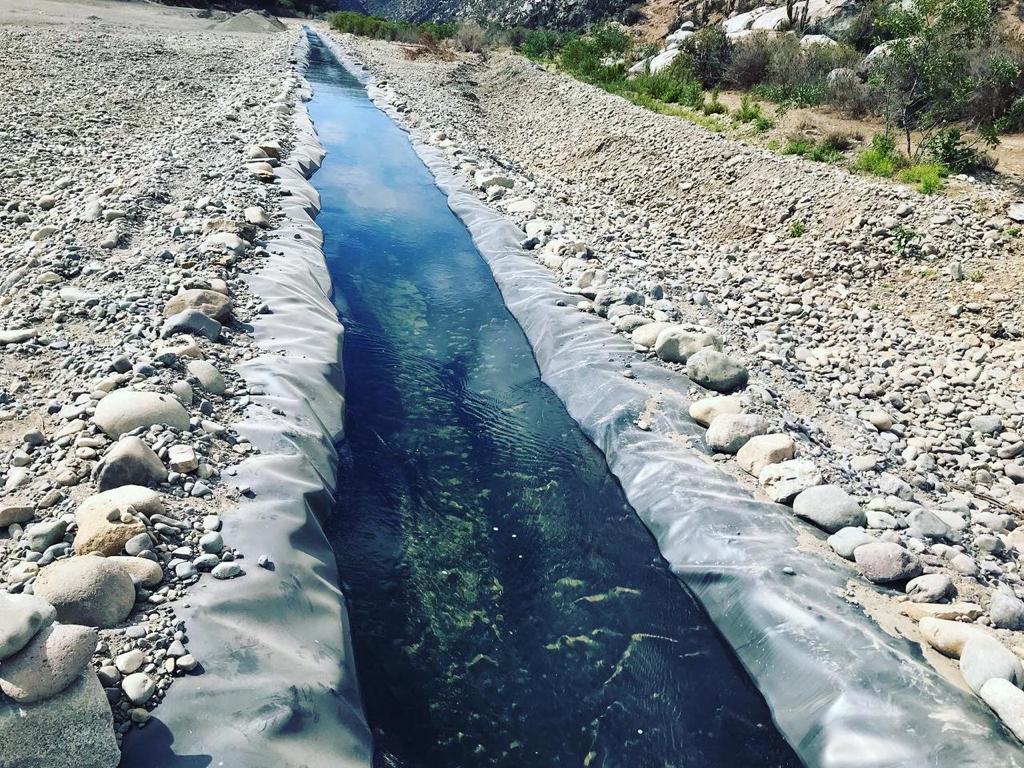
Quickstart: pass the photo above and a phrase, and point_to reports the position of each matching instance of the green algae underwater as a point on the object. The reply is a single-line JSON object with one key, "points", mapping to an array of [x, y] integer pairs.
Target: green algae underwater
{"points": [[507, 607]]}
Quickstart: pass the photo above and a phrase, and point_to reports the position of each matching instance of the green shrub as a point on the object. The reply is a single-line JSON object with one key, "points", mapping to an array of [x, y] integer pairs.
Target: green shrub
{"points": [[542, 44], [584, 57], [667, 88], [797, 229], [947, 147], [928, 177], [751, 57], [798, 145], [714, 106], [881, 158], [382, 29], [709, 52], [748, 111]]}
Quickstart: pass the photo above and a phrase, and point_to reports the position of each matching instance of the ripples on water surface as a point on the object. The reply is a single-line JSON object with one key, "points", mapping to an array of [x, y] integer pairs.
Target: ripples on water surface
{"points": [[508, 607]]}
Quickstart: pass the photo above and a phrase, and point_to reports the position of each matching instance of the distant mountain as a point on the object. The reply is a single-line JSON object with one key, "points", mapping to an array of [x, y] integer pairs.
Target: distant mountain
{"points": [[559, 14]]}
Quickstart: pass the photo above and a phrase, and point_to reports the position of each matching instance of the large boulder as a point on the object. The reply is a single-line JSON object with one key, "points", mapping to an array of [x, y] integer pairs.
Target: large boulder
{"points": [[760, 451], [729, 432], [141, 570], [663, 60], [931, 588], [1007, 701], [716, 371], [884, 562], [676, 343], [108, 520], [1006, 611], [829, 507], [783, 481], [48, 664], [211, 303], [705, 410], [947, 637], [209, 378], [647, 334], [125, 409], [130, 462], [191, 322], [21, 618], [984, 658], [87, 590], [73, 729]]}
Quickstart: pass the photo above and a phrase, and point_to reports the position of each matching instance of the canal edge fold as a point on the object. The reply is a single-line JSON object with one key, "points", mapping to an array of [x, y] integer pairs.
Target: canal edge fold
{"points": [[280, 687]]}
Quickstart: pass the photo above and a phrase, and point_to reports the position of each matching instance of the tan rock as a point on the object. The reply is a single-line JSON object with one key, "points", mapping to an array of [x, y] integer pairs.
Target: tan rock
{"points": [[760, 451], [126, 409], [48, 664], [87, 590], [947, 637], [950, 612], [107, 520], [210, 303], [705, 410], [140, 569]]}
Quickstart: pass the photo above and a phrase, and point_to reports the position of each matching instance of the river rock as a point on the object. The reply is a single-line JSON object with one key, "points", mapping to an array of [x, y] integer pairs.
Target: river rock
{"points": [[130, 462], [21, 617], [1007, 701], [14, 510], [729, 432], [947, 637], [211, 303], [1006, 611], [129, 661], [647, 334], [43, 535], [138, 687], [705, 410], [125, 409], [783, 481], [256, 216], [676, 343], [87, 590], [73, 729], [984, 658], [52, 661], [108, 520], [716, 371], [923, 524], [884, 562], [931, 588], [762, 450], [844, 541], [829, 507], [191, 322], [209, 378], [141, 570]]}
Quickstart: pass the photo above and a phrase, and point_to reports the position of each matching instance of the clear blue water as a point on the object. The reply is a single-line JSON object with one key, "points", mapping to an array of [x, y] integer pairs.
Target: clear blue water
{"points": [[508, 608]]}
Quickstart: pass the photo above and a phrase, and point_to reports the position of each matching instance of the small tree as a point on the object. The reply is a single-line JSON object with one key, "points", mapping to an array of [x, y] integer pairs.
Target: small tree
{"points": [[924, 74]]}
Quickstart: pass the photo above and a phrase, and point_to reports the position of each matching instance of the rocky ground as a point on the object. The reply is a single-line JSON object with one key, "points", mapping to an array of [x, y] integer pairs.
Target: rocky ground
{"points": [[857, 349], [138, 143]]}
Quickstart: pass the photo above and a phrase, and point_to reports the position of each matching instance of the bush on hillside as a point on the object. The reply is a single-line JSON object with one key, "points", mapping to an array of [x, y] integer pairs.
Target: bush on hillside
{"points": [[470, 37]]}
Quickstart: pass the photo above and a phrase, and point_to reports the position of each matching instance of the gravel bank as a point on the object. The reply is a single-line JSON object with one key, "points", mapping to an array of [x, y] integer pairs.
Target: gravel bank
{"points": [[868, 371], [134, 203]]}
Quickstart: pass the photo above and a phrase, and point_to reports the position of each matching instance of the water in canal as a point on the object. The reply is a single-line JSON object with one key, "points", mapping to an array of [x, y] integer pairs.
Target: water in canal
{"points": [[507, 606]]}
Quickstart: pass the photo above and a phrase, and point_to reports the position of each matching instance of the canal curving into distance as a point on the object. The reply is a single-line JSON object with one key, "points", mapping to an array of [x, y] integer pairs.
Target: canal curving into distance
{"points": [[507, 606]]}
